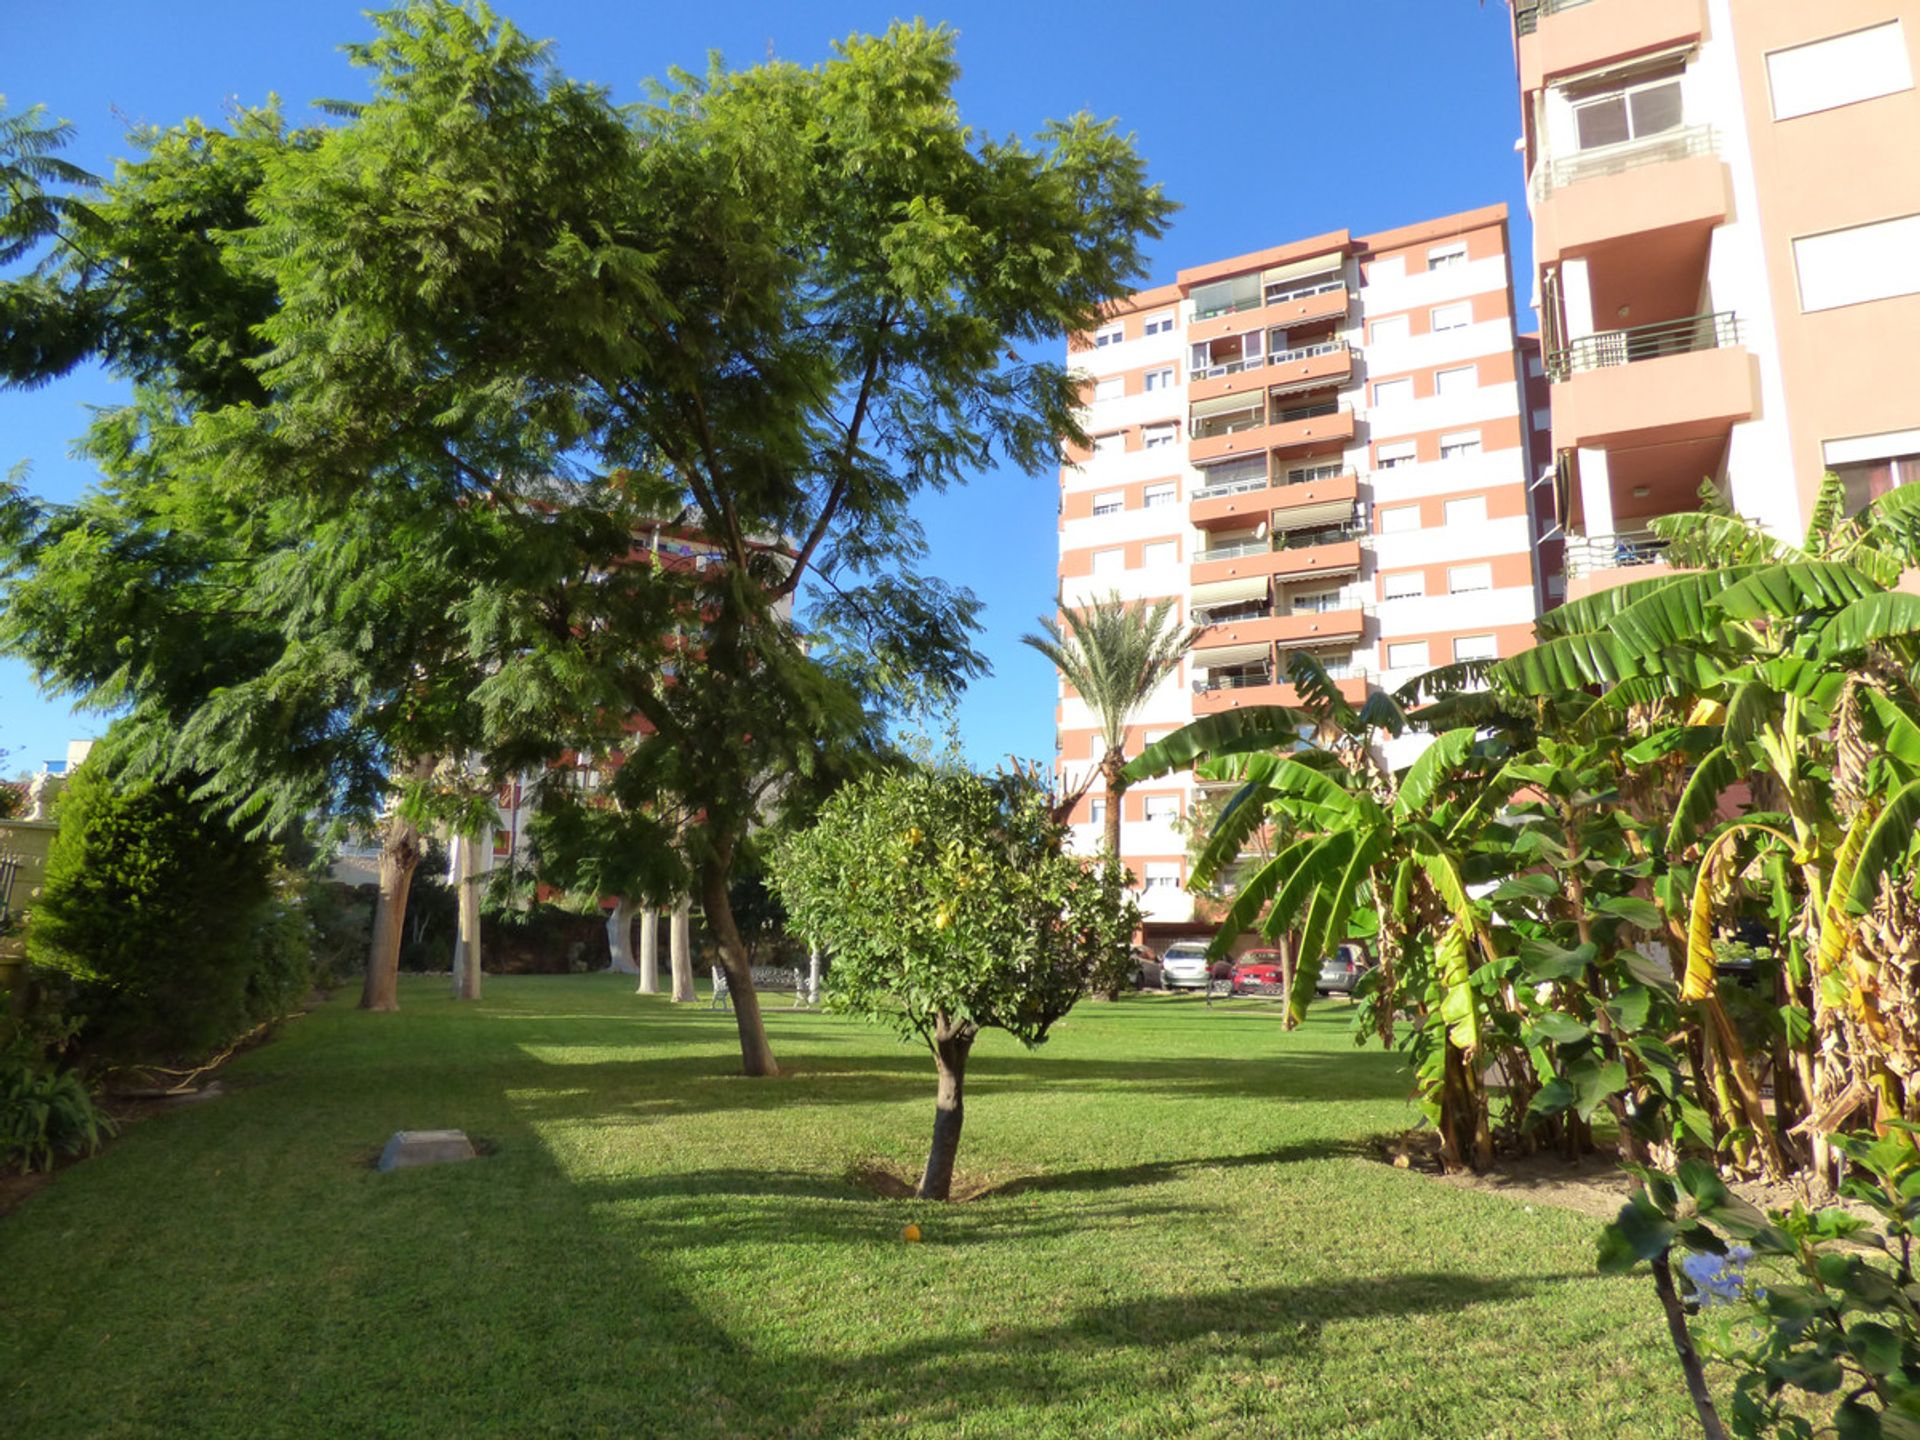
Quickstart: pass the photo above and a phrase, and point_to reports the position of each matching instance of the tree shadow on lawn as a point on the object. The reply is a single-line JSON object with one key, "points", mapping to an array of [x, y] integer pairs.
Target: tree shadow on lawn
{"points": [[1158, 1172]]}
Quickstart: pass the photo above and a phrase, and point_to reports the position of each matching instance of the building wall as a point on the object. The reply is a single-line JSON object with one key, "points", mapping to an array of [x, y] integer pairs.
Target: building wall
{"points": [[1430, 315]]}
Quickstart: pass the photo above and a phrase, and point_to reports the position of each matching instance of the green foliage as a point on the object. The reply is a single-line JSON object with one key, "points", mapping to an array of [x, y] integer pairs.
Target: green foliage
{"points": [[46, 1110], [946, 899], [166, 919]]}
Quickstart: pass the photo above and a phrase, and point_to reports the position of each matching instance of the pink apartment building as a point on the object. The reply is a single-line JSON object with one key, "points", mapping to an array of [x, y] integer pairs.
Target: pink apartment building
{"points": [[1726, 207], [1337, 444]]}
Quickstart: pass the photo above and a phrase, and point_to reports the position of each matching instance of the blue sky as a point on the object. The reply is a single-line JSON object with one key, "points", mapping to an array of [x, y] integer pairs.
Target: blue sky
{"points": [[1268, 120]]}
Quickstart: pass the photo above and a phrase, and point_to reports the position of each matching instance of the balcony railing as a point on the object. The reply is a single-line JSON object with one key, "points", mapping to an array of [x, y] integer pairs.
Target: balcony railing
{"points": [[1228, 367], [1233, 614], [1346, 670], [1681, 144], [1527, 13], [1230, 423], [1255, 362], [1622, 551], [1645, 342], [1287, 414], [1237, 551], [1321, 535], [1245, 681], [1231, 307], [1280, 294], [1306, 475], [1233, 487], [1307, 352]]}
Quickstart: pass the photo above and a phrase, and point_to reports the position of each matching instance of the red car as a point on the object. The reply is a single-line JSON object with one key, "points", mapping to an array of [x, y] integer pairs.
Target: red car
{"points": [[1257, 971]]}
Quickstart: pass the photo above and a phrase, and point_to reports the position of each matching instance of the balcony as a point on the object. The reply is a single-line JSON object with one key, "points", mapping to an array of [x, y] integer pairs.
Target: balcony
{"points": [[1258, 428], [1600, 562], [1280, 308], [1251, 501], [1674, 380], [1559, 37], [1327, 362], [1301, 555], [1245, 692], [1672, 183], [1301, 629]]}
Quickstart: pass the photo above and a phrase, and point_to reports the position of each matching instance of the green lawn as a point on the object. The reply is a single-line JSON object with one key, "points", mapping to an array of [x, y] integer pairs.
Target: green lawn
{"points": [[1187, 1240]]}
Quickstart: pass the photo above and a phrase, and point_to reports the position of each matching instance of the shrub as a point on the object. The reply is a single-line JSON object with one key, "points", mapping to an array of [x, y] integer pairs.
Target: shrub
{"points": [[45, 1110], [164, 917]]}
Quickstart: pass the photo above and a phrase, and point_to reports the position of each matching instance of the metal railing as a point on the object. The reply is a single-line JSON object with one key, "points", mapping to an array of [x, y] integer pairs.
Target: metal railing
{"points": [[1687, 141], [1256, 362], [1229, 367], [1232, 614], [1311, 473], [1645, 342], [1625, 550], [1233, 487], [1281, 293], [1234, 307], [1237, 551], [1307, 352], [1323, 535], [1232, 682], [1527, 13], [1287, 414]]}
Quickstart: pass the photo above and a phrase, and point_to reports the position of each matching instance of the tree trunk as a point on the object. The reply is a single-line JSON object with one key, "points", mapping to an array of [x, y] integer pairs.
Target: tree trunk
{"points": [[756, 1056], [1110, 766], [813, 975], [680, 952], [1287, 963], [620, 939], [1683, 1346], [951, 1045], [466, 962], [649, 951], [399, 858]]}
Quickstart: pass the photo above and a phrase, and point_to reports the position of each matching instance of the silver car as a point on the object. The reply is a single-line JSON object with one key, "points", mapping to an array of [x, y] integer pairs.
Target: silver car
{"points": [[1185, 965], [1341, 971]]}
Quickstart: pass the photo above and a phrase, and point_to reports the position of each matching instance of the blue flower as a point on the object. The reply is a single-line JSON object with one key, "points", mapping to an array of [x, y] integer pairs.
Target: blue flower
{"points": [[1718, 1279]]}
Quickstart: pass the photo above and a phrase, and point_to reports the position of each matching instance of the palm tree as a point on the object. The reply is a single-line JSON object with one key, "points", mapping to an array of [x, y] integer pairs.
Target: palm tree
{"points": [[1114, 654]]}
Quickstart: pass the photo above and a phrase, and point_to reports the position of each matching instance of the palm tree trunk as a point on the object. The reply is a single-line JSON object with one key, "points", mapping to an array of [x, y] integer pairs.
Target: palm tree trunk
{"points": [[399, 858]]}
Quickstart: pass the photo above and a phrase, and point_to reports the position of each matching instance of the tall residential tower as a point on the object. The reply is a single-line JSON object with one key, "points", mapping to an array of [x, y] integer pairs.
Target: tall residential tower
{"points": [[1328, 445]]}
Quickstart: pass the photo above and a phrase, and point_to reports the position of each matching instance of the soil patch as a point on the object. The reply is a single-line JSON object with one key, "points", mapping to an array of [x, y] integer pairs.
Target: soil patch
{"points": [[891, 1181]]}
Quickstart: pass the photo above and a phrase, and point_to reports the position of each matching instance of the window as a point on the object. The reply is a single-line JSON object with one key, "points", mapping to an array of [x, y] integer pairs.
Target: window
{"points": [[1556, 587], [1393, 392], [1536, 367], [1867, 262], [1160, 552], [1458, 447], [1109, 562], [1839, 70], [1154, 737], [1542, 420], [1112, 443], [1097, 812], [1165, 493], [1153, 437], [1871, 465], [1224, 297], [1458, 381], [1407, 655], [1400, 452], [1161, 809], [1111, 388], [1452, 317], [1391, 329], [1160, 379], [1469, 579], [1469, 510], [1399, 518], [1162, 875], [1160, 324], [1407, 585], [502, 842], [1316, 602], [1109, 335], [1629, 114], [1111, 503], [1443, 257], [1476, 647]]}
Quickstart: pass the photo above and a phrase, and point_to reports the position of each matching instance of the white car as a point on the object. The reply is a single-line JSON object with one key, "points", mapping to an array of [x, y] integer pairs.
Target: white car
{"points": [[1185, 965]]}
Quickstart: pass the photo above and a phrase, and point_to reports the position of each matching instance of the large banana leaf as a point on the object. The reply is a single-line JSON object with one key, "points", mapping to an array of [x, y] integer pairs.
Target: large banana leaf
{"points": [[1895, 517], [1323, 864], [1699, 979], [1592, 612], [1424, 776], [1255, 891], [1246, 812], [1675, 614], [1694, 813], [1792, 590], [1288, 779], [1445, 878], [1884, 847], [1836, 925], [1258, 727], [1728, 536], [1572, 662], [1897, 731], [1380, 711], [1327, 921], [1459, 1007], [1885, 616]]}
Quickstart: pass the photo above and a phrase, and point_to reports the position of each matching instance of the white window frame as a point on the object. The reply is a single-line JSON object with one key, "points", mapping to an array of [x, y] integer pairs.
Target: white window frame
{"points": [[1390, 330], [1851, 57], [1474, 579], [1109, 502], [1160, 809], [1398, 391], [1404, 585], [1456, 380], [1112, 333], [1853, 264], [1114, 442], [1464, 510], [1158, 437], [1110, 561], [1625, 96], [1097, 810], [1451, 311], [1400, 655], [1110, 387], [1459, 446], [1161, 323], [1160, 552], [1161, 379], [1492, 647], [1391, 454], [1166, 492], [1443, 257], [1161, 875], [1399, 519]]}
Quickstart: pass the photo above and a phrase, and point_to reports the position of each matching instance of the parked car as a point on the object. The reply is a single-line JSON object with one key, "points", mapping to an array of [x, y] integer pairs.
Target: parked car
{"points": [[1341, 971], [1258, 970], [1146, 969], [1183, 966]]}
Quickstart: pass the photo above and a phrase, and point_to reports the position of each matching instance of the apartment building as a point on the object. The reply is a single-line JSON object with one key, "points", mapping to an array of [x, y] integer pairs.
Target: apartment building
{"points": [[1726, 207], [1328, 445]]}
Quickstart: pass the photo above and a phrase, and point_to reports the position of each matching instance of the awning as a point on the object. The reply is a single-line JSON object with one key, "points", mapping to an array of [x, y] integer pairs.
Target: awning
{"points": [[1581, 82], [1227, 404], [1301, 269], [1227, 592], [1292, 564], [1228, 655], [1312, 517]]}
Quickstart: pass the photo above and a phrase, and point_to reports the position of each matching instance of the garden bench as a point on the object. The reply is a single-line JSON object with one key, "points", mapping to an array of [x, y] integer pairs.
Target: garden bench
{"points": [[776, 978]]}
